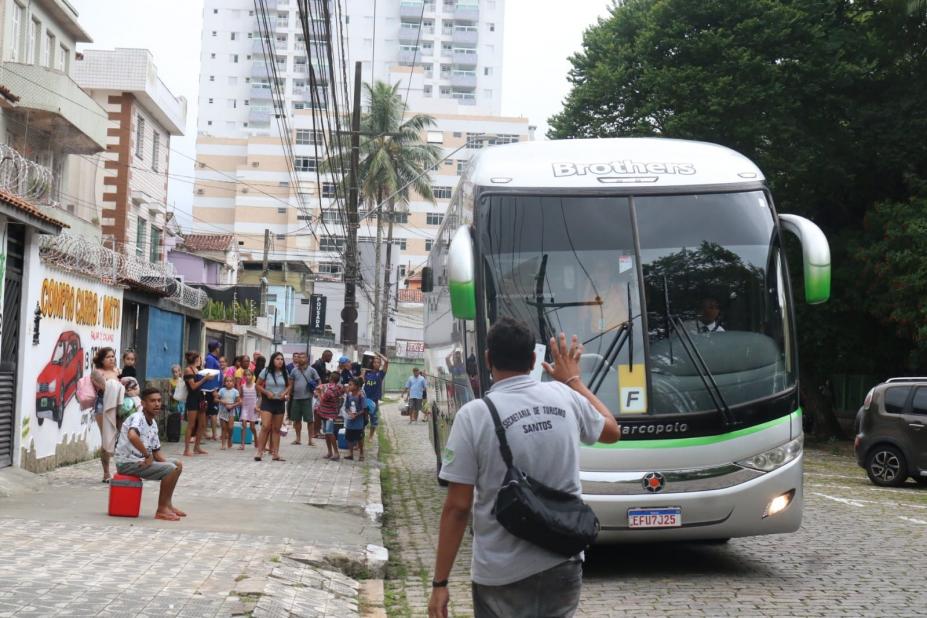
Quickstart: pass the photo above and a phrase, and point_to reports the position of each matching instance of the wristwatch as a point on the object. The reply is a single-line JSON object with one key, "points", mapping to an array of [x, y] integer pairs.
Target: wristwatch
{"points": [[440, 584]]}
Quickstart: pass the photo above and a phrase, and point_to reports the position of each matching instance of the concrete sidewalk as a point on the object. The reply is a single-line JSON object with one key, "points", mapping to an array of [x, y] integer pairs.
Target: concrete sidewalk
{"points": [[270, 538]]}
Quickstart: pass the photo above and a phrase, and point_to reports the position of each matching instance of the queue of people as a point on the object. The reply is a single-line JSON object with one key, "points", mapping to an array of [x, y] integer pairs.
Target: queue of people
{"points": [[268, 396]]}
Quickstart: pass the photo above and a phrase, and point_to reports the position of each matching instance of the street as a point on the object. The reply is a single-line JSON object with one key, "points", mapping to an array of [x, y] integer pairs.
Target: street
{"points": [[261, 539], [860, 551]]}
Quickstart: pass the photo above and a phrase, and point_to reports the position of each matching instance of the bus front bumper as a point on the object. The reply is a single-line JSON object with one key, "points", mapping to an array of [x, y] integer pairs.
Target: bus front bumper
{"points": [[717, 514]]}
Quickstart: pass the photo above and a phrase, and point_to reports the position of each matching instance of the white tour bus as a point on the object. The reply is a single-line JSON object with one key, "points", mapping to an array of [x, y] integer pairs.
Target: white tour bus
{"points": [[665, 258]]}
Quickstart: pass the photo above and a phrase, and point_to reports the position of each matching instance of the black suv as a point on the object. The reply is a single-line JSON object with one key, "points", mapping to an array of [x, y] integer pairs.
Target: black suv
{"points": [[891, 439]]}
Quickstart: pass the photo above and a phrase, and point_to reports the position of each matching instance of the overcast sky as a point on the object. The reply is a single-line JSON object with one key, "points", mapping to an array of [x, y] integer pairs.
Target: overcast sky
{"points": [[539, 37]]}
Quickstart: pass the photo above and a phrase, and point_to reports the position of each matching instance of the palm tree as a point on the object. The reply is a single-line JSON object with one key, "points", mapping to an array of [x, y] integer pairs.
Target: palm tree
{"points": [[394, 160]]}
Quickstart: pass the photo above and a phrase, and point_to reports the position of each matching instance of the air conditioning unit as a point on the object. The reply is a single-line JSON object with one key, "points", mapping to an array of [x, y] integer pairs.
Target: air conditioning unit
{"points": [[244, 189], [200, 191], [255, 164]]}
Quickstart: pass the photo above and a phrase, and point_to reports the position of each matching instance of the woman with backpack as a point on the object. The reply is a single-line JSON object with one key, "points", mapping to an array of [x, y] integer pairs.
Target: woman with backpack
{"points": [[274, 387]]}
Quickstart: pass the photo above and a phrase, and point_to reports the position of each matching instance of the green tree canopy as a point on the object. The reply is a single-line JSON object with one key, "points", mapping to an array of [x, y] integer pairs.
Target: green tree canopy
{"points": [[829, 98]]}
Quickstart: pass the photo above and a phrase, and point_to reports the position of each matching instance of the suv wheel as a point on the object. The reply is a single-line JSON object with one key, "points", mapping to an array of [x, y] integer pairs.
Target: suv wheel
{"points": [[886, 466]]}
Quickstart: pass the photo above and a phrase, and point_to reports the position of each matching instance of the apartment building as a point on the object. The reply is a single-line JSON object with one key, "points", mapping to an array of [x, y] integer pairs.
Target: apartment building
{"points": [[447, 58], [130, 179]]}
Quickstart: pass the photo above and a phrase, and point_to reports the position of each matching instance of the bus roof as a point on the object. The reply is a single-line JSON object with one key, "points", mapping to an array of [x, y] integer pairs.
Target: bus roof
{"points": [[611, 162]]}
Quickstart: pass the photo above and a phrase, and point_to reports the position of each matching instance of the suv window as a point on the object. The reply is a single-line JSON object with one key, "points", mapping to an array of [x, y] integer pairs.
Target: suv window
{"points": [[895, 398], [919, 405]]}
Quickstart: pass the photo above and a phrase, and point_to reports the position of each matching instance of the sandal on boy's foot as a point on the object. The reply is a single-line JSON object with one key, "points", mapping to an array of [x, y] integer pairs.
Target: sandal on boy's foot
{"points": [[178, 512], [295, 442], [167, 516], [278, 459], [258, 458], [361, 458], [350, 457]]}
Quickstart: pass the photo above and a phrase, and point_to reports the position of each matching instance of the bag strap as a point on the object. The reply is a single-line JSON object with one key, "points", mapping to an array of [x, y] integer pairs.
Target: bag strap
{"points": [[500, 432]]}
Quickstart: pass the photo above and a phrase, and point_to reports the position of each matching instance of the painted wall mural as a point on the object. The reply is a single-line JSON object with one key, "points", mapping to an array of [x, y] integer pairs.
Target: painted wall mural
{"points": [[78, 317]]}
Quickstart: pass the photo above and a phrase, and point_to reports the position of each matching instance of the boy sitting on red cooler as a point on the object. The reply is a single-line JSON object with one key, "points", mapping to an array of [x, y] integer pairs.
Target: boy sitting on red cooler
{"points": [[138, 453]]}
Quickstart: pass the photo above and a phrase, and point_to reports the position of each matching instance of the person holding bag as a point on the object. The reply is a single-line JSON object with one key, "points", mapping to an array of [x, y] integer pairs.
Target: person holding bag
{"points": [[527, 561]]}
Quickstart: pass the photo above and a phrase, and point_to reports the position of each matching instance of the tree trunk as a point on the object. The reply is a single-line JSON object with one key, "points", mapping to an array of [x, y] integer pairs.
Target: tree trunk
{"points": [[375, 341], [384, 312]]}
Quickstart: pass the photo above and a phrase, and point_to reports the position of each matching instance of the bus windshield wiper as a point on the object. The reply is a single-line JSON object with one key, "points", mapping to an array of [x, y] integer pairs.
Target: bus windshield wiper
{"points": [[624, 334], [698, 362]]}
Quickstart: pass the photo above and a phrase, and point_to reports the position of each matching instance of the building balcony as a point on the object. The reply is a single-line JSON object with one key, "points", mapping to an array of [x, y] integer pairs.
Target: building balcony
{"points": [[258, 116], [410, 9], [259, 70], [464, 58], [464, 98], [258, 45], [411, 34], [408, 56], [463, 80], [464, 38], [55, 104], [259, 93], [467, 12]]}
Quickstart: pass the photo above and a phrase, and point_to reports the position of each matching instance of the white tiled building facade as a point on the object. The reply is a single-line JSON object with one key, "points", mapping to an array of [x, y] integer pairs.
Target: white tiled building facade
{"points": [[243, 182]]}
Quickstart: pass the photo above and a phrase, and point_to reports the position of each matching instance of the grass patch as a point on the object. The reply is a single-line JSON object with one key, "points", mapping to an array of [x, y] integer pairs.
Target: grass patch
{"points": [[394, 594], [275, 559]]}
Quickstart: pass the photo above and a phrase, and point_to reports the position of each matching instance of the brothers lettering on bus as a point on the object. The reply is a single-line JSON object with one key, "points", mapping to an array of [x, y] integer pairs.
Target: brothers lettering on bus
{"points": [[622, 167]]}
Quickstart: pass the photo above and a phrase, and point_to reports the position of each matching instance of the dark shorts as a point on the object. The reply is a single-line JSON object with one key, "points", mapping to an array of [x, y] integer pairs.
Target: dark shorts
{"points": [[554, 592], [301, 410], [354, 435], [212, 408], [274, 406], [415, 405]]}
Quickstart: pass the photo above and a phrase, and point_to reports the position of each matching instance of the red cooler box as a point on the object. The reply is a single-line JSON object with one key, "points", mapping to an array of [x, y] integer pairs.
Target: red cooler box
{"points": [[125, 496]]}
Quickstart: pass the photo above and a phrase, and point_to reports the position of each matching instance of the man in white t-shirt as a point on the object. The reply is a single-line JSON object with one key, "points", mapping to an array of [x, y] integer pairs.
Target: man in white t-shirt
{"points": [[511, 576], [138, 453]]}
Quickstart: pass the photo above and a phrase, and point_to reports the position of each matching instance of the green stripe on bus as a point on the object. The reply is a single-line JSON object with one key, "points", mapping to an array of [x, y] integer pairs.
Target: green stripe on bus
{"points": [[701, 441]]}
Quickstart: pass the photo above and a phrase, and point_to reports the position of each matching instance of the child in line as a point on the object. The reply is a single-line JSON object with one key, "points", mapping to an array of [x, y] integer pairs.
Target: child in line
{"points": [[178, 391], [131, 403], [354, 413], [248, 405], [329, 396], [228, 399]]}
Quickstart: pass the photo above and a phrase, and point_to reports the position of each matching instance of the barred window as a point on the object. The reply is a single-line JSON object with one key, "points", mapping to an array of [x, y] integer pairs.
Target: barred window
{"points": [[331, 215], [306, 164], [434, 218], [331, 243], [442, 193], [328, 189]]}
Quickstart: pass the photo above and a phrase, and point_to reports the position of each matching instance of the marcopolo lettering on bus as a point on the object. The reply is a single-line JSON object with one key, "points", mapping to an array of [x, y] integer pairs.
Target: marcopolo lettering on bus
{"points": [[625, 167], [653, 429]]}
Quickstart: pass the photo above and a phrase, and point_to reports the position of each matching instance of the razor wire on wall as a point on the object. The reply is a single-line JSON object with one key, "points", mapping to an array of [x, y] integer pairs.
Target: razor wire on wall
{"points": [[22, 177], [87, 257]]}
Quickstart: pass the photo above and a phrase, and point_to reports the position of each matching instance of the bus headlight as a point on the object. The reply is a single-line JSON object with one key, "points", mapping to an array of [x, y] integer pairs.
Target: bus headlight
{"points": [[767, 461]]}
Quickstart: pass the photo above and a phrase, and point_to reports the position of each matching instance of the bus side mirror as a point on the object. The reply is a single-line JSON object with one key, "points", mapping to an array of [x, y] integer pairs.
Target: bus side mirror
{"points": [[460, 271], [428, 279], [815, 255]]}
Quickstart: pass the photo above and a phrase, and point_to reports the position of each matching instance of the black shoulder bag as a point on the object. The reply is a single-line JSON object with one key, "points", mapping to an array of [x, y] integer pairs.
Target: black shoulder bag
{"points": [[553, 519]]}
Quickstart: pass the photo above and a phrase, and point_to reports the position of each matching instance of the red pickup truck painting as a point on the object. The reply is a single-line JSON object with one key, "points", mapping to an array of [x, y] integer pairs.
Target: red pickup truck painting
{"points": [[57, 382]]}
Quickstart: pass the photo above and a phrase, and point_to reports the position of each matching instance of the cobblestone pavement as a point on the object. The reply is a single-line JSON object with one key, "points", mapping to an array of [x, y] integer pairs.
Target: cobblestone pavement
{"points": [[861, 551], [67, 558]]}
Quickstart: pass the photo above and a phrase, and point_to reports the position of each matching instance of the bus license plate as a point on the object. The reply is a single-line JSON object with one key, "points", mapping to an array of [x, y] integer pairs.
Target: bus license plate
{"points": [[668, 517]]}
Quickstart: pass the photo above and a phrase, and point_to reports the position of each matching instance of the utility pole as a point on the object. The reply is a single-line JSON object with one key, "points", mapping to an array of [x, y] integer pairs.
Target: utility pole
{"points": [[264, 271], [377, 265], [384, 315], [349, 313]]}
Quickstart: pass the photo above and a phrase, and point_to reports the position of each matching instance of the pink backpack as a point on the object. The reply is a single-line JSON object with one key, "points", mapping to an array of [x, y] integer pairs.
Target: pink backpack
{"points": [[86, 393]]}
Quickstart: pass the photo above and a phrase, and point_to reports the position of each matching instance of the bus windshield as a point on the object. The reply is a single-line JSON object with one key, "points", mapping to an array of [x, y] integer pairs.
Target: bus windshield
{"points": [[716, 301], [567, 264], [717, 320]]}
